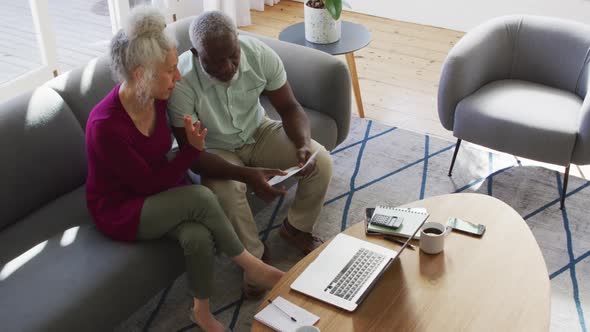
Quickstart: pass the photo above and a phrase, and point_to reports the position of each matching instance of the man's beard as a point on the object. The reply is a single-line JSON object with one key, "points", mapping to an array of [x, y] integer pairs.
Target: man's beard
{"points": [[228, 83]]}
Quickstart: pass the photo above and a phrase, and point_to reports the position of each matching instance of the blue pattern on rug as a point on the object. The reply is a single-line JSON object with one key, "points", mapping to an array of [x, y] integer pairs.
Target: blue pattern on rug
{"points": [[570, 252], [360, 139]]}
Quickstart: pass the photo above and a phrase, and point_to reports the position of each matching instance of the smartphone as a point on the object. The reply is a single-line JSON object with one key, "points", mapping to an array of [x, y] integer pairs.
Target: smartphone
{"points": [[466, 226]]}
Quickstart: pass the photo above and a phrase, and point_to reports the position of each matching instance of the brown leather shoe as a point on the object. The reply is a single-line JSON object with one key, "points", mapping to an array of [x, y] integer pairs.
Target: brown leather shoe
{"points": [[303, 241]]}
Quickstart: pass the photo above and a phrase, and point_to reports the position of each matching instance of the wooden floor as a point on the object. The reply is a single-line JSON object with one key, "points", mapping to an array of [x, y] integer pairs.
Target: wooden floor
{"points": [[398, 72]]}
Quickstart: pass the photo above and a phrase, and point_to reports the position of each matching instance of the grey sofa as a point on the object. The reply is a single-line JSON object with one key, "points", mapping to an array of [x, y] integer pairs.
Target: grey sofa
{"points": [[57, 272], [519, 84]]}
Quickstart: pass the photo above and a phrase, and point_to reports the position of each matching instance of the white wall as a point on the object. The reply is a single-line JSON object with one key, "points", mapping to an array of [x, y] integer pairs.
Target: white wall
{"points": [[465, 14]]}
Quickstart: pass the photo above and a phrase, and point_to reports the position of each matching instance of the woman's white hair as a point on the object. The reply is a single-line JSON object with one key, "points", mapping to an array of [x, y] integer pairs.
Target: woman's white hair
{"points": [[210, 25], [142, 42]]}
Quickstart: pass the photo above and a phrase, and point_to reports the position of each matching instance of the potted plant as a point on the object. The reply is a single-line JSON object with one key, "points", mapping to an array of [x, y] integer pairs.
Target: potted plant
{"points": [[322, 21]]}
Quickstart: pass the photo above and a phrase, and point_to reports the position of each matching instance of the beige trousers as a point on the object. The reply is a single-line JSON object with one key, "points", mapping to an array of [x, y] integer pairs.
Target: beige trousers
{"points": [[272, 149]]}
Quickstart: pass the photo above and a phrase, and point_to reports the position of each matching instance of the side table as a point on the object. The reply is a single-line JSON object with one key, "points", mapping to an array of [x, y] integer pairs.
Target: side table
{"points": [[354, 37]]}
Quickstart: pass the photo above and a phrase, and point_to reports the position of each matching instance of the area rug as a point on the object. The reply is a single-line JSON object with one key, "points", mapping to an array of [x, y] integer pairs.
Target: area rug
{"points": [[378, 164]]}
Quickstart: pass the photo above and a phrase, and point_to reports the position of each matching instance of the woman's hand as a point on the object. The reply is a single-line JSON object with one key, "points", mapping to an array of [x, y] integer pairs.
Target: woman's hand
{"points": [[194, 135]]}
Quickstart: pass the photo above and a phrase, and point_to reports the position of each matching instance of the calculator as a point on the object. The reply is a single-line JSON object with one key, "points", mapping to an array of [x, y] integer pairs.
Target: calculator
{"points": [[387, 221]]}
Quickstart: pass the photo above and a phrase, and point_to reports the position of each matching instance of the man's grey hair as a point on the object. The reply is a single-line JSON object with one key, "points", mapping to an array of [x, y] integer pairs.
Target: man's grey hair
{"points": [[142, 42], [210, 25]]}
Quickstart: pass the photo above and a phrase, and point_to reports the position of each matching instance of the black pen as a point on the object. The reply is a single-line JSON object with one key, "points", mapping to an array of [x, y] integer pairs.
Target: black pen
{"points": [[400, 242], [283, 311]]}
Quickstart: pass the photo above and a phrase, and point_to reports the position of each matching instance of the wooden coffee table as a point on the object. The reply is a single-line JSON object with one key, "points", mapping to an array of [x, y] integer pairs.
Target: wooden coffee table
{"points": [[496, 283]]}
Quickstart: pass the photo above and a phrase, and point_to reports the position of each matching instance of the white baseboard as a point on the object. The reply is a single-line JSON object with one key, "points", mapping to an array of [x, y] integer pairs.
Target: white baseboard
{"points": [[449, 14]]}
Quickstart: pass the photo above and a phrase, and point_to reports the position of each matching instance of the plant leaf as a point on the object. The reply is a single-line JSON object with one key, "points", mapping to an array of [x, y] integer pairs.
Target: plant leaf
{"points": [[334, 7]]}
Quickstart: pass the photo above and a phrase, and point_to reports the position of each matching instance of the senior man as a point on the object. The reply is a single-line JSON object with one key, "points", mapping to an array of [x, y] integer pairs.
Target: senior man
{"points": [[223, 77]]}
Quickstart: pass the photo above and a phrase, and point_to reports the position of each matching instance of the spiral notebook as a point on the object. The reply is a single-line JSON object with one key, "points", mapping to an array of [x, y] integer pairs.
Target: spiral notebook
{"points": [[411, 218]]}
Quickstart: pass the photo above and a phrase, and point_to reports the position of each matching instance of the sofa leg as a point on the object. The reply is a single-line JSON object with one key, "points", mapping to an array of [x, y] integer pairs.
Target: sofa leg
{"points": [[454, 156], [565, 177]]}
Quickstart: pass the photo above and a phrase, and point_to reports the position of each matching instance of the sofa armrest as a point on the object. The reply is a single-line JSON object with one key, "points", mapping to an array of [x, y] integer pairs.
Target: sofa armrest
{"points": [[483, 55], [319, 81]]}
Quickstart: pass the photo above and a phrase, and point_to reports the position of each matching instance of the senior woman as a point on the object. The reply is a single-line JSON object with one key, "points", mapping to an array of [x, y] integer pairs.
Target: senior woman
{"points": [[134, 193]]}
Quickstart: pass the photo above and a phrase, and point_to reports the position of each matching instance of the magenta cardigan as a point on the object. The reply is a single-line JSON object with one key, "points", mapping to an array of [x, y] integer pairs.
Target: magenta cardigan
{"points": [[125, 166]]}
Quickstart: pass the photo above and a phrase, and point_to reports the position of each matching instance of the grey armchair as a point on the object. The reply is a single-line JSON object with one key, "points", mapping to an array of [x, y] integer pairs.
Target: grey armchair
{"points": [[519, 84]]}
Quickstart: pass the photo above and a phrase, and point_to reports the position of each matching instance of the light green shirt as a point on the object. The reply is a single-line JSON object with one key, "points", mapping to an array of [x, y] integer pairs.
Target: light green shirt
{"points": [[231, 113]]}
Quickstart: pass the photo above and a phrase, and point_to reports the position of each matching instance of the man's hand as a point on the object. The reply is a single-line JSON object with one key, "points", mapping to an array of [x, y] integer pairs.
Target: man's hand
{"points": [[257, 179], [303, 154], [295, 124]]}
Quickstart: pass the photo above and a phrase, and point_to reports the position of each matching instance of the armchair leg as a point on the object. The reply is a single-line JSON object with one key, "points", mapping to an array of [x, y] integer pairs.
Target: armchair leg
{"points": [[565, 177], [454, 156]]}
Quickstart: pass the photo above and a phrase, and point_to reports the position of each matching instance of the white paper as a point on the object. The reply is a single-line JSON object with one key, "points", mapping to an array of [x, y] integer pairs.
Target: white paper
{"points": [[290, 172], [279, 320]]}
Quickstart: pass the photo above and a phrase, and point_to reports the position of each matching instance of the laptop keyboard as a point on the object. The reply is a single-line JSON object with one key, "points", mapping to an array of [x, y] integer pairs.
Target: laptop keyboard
{"points": [[348, 282]]}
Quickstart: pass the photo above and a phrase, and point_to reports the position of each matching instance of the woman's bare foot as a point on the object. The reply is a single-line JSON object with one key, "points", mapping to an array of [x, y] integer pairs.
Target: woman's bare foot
{"points": [[203, 317], [256, 272], [263, 275]]}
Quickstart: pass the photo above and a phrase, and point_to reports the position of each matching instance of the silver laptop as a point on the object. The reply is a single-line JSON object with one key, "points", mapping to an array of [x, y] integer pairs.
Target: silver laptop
{"points": [[346, 270]]}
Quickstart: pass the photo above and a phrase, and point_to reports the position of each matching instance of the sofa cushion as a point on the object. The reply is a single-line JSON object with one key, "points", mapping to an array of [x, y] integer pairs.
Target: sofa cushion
{"points": [[65, 277], [84, 87], [56, 217], [43, 153], [531, 120]]}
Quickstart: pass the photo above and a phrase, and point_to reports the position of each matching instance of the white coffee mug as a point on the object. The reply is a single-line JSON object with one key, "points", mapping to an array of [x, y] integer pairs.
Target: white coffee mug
{"points": [[307, 328], [432, 237]]}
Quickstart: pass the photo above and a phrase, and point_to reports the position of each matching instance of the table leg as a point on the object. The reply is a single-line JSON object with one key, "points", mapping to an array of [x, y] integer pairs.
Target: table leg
{"points": [[355, 83]]}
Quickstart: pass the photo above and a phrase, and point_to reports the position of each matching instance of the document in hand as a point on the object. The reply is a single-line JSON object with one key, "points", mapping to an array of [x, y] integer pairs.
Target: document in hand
{"points": [[278, 316], [290, 172]]}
